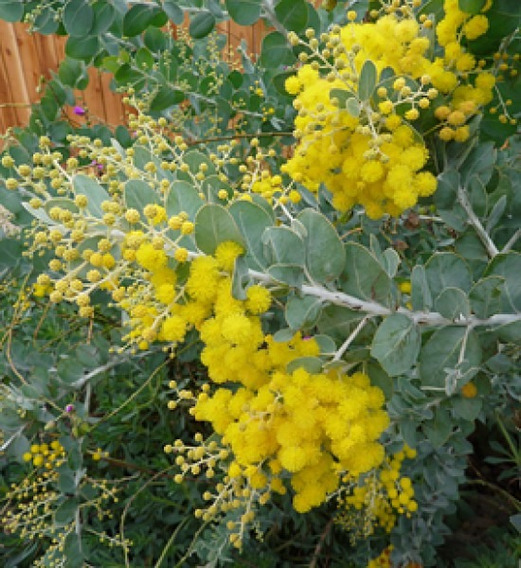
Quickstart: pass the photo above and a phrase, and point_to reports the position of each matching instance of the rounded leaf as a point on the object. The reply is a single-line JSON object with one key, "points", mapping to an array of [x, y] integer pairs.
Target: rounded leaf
{"points": [[78, 16], [275, 51], [82, 47], [325, 255], [214, 225], [11, 10], [292, 14], [244, 12], [396, 344], [202, 24]]}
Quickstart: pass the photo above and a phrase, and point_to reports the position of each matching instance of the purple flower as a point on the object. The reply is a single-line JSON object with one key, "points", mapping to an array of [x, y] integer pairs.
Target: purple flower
{"points": [[80, 111], [69, 408]]}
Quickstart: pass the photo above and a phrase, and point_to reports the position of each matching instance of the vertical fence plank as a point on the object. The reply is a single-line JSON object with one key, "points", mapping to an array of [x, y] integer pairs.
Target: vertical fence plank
{"points": [[238, 35], [28, 58], [259, 31], [48, 57], [13, 73], [8, 116], [16, 72], [93, 96], [114, 110]]}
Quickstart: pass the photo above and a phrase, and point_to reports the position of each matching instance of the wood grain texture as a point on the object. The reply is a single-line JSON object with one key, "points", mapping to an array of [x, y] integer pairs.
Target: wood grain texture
{"points": [[28, 60]]}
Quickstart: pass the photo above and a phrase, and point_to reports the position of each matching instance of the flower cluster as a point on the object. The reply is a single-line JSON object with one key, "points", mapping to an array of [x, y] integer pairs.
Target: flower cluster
{"points": [[378, 497], [46, 456], [275, 424], [33, 503], [458, 75], [308, 427], [360, 93]]}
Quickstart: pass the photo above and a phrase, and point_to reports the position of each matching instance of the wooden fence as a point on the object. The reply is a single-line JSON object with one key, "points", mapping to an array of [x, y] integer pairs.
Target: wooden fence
{"points": [[28, 60]]}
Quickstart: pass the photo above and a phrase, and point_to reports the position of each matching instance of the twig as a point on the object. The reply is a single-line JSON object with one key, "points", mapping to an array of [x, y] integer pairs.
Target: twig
{"points": [[41, 321], [234, 136], [268, 12], [351, 338], [476, 223], [169, 543], [512, 241], [497, 489], [86, 378], [127, 507], [134, 394], [15, 105], [180, 564], [371, 308], [320, 544], [516, 454], [123, 464]]}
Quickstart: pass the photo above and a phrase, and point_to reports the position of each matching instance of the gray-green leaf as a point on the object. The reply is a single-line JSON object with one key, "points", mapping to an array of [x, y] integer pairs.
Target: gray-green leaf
{"points": [[452, 303], [325, 255], [363, 276], [396, 344], [367, 80], [214, 225], [443, 350], [302, 313]]}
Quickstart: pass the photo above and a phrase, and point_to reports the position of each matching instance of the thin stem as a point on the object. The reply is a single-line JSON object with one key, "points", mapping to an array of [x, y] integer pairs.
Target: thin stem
{"points": [[7, 443], [464, 345], [268, 13], [78, 525], [133, 396], [192, 544], [351, 338], [86, 378], [129, 503], [236, 135], [88, 395], [127, 465], [169, 543], [488, 243], [516, 454], [320, 544], [512, 241]]}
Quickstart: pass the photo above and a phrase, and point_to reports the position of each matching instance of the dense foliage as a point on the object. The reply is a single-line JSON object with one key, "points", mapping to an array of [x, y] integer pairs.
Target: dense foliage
{"points": [[273, 320]]}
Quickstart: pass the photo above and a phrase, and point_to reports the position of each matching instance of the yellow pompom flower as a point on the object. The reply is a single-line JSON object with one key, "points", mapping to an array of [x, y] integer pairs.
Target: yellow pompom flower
{"points": [[202, 282], [469, 390], [173, 328], [476, 26], [259, 299], [165, 293], [149, 257], [181, 254], [237, 328], [292, 85], [226, 253]]}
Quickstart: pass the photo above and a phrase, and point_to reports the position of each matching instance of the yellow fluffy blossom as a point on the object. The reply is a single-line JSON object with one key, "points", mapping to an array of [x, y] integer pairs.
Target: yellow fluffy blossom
{"points": [[289, 424], [149, 257], [367, 137], [226, 253], [363, 143]]}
